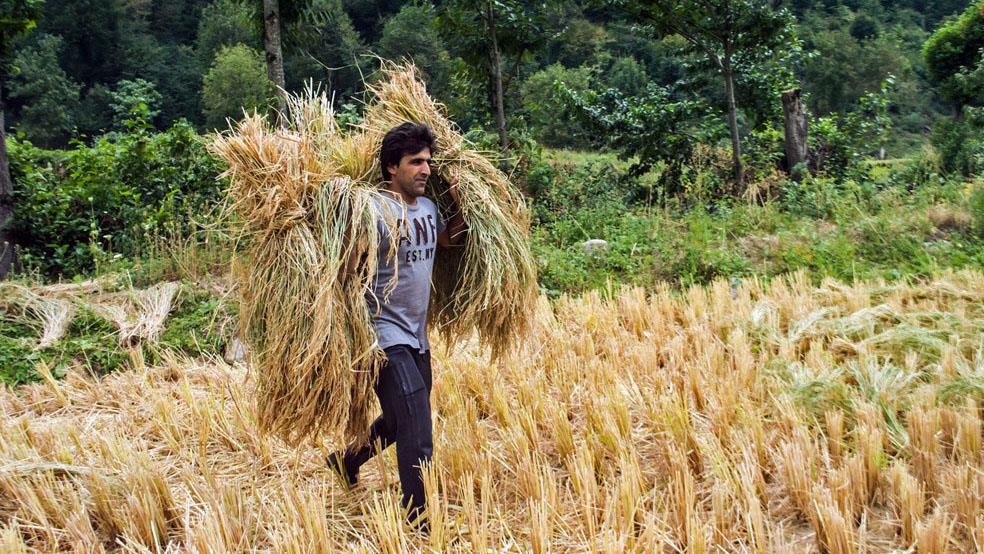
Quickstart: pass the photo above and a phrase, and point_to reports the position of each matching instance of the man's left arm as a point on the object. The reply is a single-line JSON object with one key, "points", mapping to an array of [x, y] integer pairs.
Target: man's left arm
{"points": [[454, 232]]}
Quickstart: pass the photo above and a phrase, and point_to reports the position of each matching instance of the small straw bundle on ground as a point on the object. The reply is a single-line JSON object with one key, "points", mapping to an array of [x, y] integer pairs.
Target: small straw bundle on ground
{"points": [[305, 196], [51, 316]]}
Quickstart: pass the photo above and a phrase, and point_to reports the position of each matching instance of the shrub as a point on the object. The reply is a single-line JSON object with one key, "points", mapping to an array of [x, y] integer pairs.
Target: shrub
{"points": [[651, 128], [74, 209], [960, 143]]}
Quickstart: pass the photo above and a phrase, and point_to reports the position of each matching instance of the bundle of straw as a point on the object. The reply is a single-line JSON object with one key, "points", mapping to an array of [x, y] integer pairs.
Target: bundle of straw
{"points": [[490, 284], [304, 195]]}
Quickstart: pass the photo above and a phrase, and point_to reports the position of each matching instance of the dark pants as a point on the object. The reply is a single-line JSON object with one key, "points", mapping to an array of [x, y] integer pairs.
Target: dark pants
{"points": [[403, 389]]}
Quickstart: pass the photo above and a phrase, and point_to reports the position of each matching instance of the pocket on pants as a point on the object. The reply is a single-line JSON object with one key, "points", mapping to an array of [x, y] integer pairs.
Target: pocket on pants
{"points": [[403, 369]]}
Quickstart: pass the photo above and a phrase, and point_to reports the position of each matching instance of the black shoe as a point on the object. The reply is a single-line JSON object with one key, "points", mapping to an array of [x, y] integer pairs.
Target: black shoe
{"points": [[336, 463]]}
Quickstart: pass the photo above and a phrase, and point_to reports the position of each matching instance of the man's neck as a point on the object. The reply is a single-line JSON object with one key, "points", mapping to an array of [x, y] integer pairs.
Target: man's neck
{"points": [[395, 190]]}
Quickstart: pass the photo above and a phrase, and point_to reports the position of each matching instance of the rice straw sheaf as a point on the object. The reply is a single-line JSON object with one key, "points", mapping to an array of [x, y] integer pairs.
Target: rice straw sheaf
{"points": [[313, 347], [489, 284], [305, 198]]}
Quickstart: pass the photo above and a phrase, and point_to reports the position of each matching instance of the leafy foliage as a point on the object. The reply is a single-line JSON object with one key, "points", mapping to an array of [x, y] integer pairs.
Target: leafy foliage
{"points": [[954, 49], [76, 208], [134, 103], [839, 141], [323, 46], [19, 16], [548, 109], [236, 82], [223, 23], [960, 143], [413, 34], [735, 36], [652, 128], [50, 99]]}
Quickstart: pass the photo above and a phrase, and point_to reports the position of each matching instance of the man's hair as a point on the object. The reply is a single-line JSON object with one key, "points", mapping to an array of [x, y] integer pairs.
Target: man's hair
{"points": [[403, 140]]}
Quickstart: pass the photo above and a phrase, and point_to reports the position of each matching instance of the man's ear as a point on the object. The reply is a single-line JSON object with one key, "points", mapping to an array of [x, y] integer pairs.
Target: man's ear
{"points": [[391, 169]]}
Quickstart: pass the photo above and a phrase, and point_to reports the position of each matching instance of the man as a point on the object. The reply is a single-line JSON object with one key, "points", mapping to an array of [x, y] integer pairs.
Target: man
{"points": [[400, 314]]}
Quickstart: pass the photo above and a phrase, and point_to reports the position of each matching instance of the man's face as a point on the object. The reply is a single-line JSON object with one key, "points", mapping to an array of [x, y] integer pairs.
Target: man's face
{"points": [[410, 176]]}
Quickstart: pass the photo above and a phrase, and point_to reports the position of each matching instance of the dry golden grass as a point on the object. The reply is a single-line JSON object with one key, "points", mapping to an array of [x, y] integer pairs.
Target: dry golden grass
{"points": [[780, 418]]}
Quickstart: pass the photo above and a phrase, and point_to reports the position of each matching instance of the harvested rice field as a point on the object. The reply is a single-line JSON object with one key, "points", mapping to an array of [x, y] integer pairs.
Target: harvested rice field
{"points": [[785, 417]]}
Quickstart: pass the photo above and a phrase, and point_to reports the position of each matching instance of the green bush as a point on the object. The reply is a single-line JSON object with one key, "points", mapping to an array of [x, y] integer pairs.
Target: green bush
{"points": [[813, 196], [923, 170], [960, 143], [74, 209], [591, 193]]}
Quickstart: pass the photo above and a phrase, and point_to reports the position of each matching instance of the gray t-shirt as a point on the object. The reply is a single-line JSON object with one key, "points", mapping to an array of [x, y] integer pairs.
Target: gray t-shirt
{"points": [[401, 316]]}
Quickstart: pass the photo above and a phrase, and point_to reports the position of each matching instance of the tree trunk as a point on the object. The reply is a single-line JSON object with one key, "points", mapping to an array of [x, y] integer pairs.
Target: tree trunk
{"points": [[729, 91], [274, 50], [500, 112], [6, 196], [796, 124]]}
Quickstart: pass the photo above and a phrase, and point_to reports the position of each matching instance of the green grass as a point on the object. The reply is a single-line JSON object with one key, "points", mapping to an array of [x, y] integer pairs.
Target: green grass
{"points": [[872, 228], [199, 325], [91, 342]]}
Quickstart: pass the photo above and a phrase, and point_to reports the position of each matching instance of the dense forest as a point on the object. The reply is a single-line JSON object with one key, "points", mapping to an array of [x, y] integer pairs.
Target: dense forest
{"points": [[87, 63]]}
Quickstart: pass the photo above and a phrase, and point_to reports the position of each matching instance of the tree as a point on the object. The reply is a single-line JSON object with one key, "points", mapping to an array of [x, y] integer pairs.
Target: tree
{"points": [[223, 23], [864, 27], [49, 99], [16, 18], [723, 31], [324, 46], [488, 31], [279, 25], [547, 105], [627, 75], [135, 103], [953, 50], [413, 34], [234, 83], [94, 48], [578, 42], [369, 16], [175, 70], [844, 69], [273, 47], [650, 128]]}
